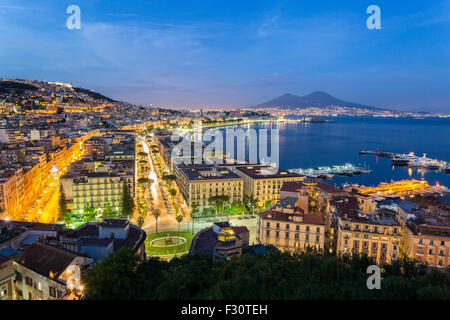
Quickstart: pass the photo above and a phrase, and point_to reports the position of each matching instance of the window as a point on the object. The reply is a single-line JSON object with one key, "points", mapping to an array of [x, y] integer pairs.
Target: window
{"points": [[443, 243], [278, 226], [431, 242], [287, 226], [19, 277], [52, 292], [267, 233], [4, 291], [307, 237], [307, 228], [268, 224], [296, 236], [318, 229], [420, 241], [287, 235], [297, 228], [277, 234], [317, 238], [29, 281]]}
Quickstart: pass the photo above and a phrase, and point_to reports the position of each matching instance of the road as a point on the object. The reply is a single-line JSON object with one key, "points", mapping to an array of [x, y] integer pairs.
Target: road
{"points": [[156, 191], [46, 207]]}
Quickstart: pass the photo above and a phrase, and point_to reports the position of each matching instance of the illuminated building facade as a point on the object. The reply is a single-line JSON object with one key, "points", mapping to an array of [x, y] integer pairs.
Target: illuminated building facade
{"points": [[376, 234], [264, 182], [100, 190], [198, 183], [286, 227]]}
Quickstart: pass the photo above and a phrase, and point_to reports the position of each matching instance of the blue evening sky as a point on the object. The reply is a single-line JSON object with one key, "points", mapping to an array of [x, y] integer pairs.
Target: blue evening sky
{"points": [[234, 53]]}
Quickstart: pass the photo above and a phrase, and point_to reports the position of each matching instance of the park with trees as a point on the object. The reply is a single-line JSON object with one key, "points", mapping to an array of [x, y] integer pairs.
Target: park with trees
{"points": [[276, 275]]}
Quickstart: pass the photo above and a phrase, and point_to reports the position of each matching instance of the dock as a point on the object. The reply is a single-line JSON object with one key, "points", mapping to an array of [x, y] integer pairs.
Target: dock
{"points": [[412, 161], [347, 169]]}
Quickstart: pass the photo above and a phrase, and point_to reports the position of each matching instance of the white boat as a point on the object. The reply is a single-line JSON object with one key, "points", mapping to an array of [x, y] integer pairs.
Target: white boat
{"points": [[404, 159]]}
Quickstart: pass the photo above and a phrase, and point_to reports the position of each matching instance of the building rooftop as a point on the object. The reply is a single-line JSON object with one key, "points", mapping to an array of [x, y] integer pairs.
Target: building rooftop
{"points": [[291, 217], [89, 233], [328, 187], [115, 223], [3, 258], [206, 240], [377, 218], [292, 186], [43, 259], [22, 226], [266, 172], [207, 172]]}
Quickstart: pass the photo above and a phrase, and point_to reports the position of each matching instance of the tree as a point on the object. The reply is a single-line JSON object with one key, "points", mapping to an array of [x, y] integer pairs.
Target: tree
{"points": [[114, 278], [173, 192], [142, 206], [179, 220], [157, 213], [275, 275], [88, 212], [194, 208], [219, 201], [251, 203], [140, 221], [144, 180], [169, 178], [63, 211], [107, 212], [127, 200]]}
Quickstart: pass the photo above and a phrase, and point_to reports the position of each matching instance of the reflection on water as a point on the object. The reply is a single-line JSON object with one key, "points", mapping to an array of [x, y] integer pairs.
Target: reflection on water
{"points": [[326, 144]]}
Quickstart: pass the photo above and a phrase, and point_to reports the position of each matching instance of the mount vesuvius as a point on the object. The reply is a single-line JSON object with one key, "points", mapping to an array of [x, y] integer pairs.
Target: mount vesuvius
{"points": [[318, 99]]}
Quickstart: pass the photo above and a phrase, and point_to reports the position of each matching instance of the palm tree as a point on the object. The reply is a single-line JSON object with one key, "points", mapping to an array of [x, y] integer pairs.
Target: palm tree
{"points": [[140, 221], [157, 213], [194, 210], [251, 203], [219, 201], [179, 220]]}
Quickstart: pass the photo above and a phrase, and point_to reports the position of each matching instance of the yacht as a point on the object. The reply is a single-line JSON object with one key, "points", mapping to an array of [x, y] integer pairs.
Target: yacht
{"points": [[403, 159]]}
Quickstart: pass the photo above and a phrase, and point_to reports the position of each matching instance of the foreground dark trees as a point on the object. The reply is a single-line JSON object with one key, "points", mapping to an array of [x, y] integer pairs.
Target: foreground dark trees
{"points": [[275, 276]]}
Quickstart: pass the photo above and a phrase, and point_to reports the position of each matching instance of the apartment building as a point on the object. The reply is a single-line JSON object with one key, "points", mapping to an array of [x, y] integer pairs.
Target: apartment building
{"points": [[377, 234], [6, 278], [320, 195], [429, 244], [11, 135], [11, 193], [264, 182], [287, 227], [198, 183], [45, 272], [97, 189]]}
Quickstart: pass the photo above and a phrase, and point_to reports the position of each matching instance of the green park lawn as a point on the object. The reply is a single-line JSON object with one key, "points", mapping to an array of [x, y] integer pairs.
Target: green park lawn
{"points": [[152, 251]]}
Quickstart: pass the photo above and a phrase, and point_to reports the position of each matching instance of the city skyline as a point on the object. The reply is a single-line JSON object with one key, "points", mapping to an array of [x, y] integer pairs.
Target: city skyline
{"points": [[232, 54]]}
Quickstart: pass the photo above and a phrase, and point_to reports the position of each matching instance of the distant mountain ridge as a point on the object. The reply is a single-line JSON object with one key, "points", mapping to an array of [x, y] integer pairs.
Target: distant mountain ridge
{"points": [[318, 99]]}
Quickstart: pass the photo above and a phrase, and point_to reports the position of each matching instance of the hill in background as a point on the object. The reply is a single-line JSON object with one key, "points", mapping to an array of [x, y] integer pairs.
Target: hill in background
{"points": [[318, 99]]}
